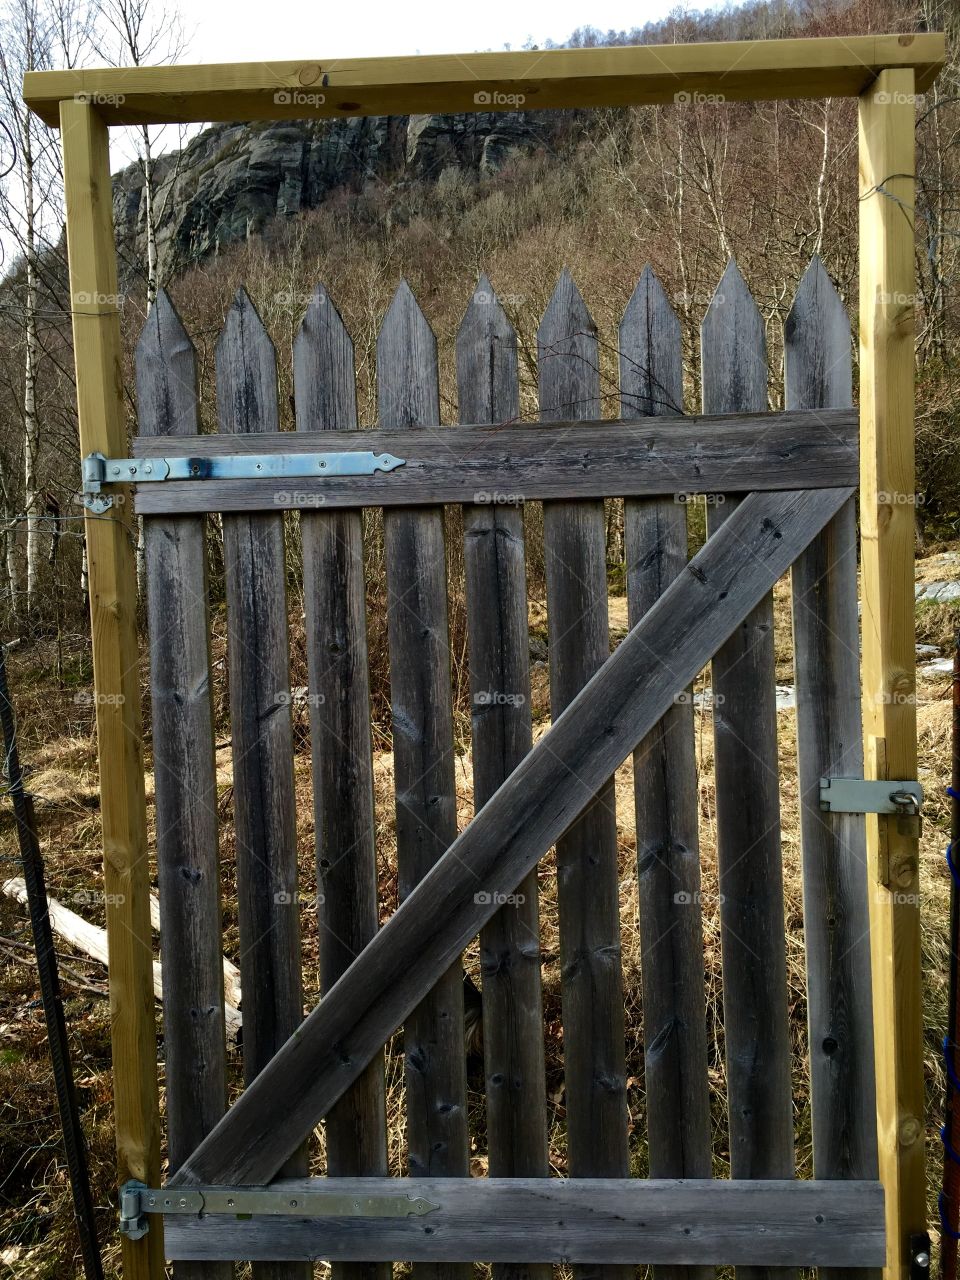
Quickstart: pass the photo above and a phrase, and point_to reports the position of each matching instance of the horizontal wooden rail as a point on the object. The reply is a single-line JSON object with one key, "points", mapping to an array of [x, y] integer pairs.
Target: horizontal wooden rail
{"points": [[598, 1220], [830, 66], [511, 464]]}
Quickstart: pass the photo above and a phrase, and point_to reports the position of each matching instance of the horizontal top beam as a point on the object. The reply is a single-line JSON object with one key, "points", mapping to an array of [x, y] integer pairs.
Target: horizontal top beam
{"points": [[831, 66]]}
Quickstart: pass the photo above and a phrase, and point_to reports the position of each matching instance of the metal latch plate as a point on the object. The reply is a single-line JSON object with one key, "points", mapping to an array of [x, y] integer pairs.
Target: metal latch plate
{"points": [[137, 1200], [99, 470], [869, 795]]}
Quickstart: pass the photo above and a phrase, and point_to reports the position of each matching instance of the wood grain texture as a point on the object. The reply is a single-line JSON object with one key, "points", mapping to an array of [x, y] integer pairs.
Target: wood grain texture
{"points": [[559, 459], [188, 862], [88, 194], [580, 1220], [756, 1023], [339, 691], [544, 794], [887, 542], [601, 77], [836, 909], [499, 655], [262, 729], [665, 786], [422, 711], [588, 874]]}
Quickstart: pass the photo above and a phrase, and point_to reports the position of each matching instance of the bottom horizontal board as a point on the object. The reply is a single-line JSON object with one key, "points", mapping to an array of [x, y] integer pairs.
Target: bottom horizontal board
{"points": [[599, 1220]]}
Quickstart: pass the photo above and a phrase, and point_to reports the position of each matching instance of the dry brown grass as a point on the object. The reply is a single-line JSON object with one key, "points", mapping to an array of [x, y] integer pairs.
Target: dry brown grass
{"points": [[57, 740]]}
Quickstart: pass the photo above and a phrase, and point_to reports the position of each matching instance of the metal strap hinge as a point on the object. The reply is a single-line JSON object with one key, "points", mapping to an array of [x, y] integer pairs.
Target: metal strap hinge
{"points": [[869, 795], [99, 470], [138, 1200]]}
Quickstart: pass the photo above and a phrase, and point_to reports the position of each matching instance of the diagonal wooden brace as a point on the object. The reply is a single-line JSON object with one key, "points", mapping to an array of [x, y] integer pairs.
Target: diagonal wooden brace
{"points": [[657, 660]]}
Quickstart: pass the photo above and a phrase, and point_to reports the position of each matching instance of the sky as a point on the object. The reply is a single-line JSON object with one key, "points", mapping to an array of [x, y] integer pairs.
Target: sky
{"points": [[248, 30], [288, 30]]}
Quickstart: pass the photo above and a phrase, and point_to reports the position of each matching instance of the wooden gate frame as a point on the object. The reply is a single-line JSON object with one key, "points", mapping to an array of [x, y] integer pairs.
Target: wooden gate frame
{"points": [[885, 73]]}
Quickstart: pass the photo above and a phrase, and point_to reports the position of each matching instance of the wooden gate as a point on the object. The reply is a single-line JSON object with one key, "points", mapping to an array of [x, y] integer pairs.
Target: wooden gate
{"points": [[781, 489]]}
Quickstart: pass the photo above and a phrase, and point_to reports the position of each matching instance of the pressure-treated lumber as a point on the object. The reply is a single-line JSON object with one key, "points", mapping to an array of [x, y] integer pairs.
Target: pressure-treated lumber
{"points": [[421, 702], [332, 87], [570, 1220], [753, 938], [339, 696], [588, 871], [887, 292], [676, 1079], [113, 603], [836, 912], [561, 459], [543, 795], [495, 583], [261, 723]]}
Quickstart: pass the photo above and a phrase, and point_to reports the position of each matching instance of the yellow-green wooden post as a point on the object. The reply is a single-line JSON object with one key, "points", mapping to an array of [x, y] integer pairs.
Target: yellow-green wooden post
{"points": [[113, 599], [887, 380]]}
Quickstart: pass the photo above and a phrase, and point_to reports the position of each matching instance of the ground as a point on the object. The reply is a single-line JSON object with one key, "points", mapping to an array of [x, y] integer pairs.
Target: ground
{"points": [[57, 743]]}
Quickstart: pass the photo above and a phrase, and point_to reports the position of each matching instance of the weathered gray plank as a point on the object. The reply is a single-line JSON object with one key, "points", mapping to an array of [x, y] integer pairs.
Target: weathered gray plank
{"points": [[588, 874], [498, 633], [574, 1220], [339, 691], [756, 1026], [665, 786], [422, 708], [562, 459], [185, 776], [835, 880], [543, 795], [260, 716]]}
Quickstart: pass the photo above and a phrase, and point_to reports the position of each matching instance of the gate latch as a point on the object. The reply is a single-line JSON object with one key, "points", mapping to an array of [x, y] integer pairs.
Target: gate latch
{"points": [[868, 795], [98, 471], [300, 1200]]}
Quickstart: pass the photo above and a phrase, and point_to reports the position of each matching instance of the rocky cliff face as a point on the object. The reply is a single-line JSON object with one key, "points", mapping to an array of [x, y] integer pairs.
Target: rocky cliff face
{"points": [[230, 180]]}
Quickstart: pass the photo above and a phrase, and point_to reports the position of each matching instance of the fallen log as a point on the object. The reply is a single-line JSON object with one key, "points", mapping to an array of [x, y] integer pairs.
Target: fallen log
{"points": [[92, 941]]}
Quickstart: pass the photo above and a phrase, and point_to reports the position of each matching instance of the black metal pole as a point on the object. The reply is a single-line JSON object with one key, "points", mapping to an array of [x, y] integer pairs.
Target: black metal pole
{"points": [[73, 1139]]}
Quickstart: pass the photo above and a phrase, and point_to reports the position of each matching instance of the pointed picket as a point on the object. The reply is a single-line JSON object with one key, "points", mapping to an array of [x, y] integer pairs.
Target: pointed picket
{"points": [[497, 626], [246, 365], [324, 378], [666, 793], [587, 855], [836, 910], [734, 350], [408, 391], [188, 862], [651, 361], [339, 686], [262, 728], [423, 746], [756, 1021]]}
